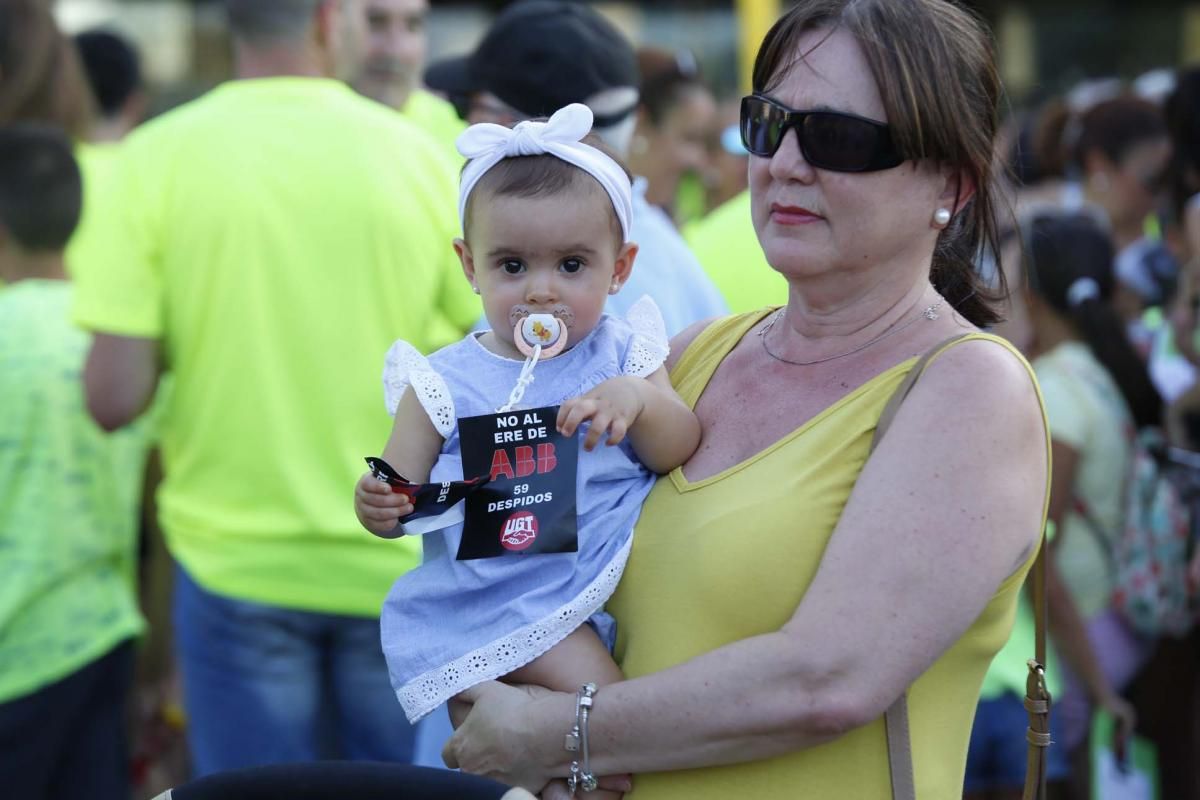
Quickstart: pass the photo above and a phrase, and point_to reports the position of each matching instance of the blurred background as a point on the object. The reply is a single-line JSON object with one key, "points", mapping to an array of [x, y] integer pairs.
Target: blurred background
{"points": [[1044, 47], [1134, 164]]}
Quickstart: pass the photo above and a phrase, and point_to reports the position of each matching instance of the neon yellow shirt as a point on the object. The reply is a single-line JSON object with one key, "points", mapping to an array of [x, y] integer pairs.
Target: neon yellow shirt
{"points": [[690, 201], [97, 163], [69, 500], [727, 247], [277, 236], [437, 118], [699, 577]]}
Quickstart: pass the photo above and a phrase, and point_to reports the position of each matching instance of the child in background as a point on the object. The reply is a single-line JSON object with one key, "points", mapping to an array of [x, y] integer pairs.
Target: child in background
{"points": [[545, 219], [69, 499]]}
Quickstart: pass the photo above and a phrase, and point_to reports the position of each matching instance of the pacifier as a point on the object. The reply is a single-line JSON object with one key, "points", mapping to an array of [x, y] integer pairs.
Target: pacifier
{"points": [[537, 336], [540, 330]]}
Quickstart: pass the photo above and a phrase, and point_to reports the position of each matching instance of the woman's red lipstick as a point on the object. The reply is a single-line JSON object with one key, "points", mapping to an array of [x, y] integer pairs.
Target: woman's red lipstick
{"points": [[792, 215]]}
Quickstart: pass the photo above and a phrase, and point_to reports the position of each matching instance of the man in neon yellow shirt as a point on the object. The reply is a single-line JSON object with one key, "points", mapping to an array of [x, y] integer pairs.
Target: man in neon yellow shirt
{"points": [[395, 54], [266, 244]]}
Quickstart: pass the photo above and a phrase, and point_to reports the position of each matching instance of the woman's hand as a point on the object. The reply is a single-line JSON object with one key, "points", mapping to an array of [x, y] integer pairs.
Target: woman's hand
{"points": [[508, 735], [496, 740]]}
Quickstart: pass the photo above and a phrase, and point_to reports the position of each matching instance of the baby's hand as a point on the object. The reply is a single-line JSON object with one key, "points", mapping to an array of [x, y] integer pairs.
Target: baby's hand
{"points": [[379, 509], [612, 407]]}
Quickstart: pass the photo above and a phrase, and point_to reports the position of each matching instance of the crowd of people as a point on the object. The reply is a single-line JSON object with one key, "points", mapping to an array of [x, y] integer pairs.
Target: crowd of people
{"points": [[842, 357]]}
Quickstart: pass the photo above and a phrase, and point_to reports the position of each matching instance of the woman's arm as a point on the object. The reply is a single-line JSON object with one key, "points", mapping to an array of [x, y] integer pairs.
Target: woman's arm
{"points": [[947, 507]]}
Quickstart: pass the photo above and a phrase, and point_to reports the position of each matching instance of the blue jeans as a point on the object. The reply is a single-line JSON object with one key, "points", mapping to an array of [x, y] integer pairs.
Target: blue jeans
{"points": [[266, 685]]}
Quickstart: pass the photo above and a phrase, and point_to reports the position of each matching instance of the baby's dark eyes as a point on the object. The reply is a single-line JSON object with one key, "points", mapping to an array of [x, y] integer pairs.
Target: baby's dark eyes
{"points": [[512, 266]]}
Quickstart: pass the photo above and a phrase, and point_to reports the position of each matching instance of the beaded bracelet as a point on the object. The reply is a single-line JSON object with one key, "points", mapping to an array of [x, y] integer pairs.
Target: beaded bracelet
{"points": [[577, 742]]}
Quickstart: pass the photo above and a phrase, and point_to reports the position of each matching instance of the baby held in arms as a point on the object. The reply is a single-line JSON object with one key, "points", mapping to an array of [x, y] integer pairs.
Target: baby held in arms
{"points": [[553, 423]]}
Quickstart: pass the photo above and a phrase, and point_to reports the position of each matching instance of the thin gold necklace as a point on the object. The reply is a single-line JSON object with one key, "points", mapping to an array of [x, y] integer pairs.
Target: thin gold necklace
{"points": [[929, 313]]}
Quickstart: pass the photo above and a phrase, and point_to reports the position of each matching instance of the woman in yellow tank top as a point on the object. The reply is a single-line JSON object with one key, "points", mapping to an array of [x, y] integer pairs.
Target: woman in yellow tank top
{"points": [[788, 584]]}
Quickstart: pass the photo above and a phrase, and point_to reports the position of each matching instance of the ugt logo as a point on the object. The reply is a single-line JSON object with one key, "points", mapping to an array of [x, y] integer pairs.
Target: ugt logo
{"points": [[519, 531]]}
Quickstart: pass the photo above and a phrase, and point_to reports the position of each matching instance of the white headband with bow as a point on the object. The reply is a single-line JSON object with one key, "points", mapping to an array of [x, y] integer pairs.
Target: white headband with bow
{"points": [[487, 144]]}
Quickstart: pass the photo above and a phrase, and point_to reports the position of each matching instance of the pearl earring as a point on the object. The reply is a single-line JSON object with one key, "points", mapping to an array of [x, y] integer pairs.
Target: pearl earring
{"points": [[475, 289], [942, 217]]}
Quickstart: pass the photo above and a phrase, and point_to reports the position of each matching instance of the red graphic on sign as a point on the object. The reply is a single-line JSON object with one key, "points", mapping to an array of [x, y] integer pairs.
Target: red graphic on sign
{"points": [[519, 531], [526, 463]]}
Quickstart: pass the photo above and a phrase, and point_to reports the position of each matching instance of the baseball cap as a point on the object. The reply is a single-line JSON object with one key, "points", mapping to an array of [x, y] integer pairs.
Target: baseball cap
{"points": [[112, 65], [541, 55]]}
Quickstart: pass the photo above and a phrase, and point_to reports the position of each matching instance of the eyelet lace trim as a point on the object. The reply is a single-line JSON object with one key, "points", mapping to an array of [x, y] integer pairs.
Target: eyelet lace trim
{"points": [[404, 367], [426, 692], [648, 348]]}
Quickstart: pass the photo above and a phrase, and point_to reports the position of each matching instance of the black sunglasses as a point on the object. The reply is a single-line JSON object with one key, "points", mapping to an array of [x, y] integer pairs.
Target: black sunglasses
{"points": [[828, 139]]}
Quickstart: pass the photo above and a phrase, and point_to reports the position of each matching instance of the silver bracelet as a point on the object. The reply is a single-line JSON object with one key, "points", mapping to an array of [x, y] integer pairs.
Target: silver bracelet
{"points": [[577, 742]]}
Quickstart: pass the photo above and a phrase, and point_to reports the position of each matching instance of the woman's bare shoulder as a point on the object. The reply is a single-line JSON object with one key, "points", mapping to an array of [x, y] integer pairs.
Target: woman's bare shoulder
{"points": [[982, 374], [972, 435]]}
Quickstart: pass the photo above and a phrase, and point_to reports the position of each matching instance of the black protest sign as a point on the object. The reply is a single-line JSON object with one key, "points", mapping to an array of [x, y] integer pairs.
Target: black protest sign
{"points": [[528, 506]]}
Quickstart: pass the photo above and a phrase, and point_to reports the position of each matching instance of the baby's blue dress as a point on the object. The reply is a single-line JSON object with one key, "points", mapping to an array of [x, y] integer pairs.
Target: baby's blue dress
{"points": [[448, 625]]}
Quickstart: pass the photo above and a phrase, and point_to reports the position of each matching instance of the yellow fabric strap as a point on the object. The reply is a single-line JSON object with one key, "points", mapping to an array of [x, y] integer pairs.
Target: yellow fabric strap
{"points": [[705, 353]]}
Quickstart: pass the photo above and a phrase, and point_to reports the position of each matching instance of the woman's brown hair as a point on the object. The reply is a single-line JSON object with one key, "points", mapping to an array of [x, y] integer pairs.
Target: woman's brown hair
{"points": [[41, 77], [934, 64]]}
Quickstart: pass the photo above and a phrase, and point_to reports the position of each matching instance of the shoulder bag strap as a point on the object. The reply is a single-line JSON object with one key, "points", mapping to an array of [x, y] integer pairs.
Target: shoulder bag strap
{"points": [[1037, 700]]}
